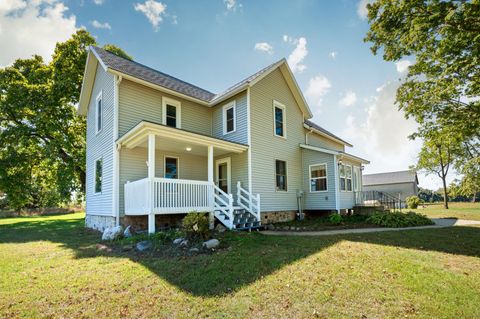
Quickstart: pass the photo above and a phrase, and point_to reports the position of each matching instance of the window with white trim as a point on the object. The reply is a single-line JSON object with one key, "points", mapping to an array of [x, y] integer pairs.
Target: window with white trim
{"points": [[171, 112], [229, 118], [318, 178], [98, 175], [98, 113], [280, 175], [345, 174], [171, 167], [279, 124]]}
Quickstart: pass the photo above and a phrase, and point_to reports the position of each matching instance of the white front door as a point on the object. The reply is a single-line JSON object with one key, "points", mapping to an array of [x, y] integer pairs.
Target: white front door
{"points": [[223, 174]]}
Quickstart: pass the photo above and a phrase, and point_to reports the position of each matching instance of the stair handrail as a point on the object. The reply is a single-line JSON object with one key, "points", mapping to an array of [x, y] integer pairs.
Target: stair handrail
{"points": [[227, 207], [252, 200]]}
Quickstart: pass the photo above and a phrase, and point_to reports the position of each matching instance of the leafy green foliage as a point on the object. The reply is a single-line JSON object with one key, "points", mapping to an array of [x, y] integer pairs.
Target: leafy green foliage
{"points": [[398, 219], [413, 202], [42, 139], [335, 219], [196, 226], [117, 51], [159, 238]]}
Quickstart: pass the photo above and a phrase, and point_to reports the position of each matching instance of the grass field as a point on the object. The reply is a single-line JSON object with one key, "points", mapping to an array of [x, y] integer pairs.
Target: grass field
{"points": [[51, 267], [470, 211]]}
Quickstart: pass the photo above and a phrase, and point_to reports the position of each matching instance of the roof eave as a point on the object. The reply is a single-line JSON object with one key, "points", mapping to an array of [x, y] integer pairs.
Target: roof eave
{"points": [[308, 127]]}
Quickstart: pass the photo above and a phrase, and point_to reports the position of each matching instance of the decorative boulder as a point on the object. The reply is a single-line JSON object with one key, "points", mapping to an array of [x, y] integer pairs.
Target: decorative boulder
{"points": [[194, 250], [184, 243], [177, 241], [112, 233], [129, 232], [212, 243], [144, 245]]}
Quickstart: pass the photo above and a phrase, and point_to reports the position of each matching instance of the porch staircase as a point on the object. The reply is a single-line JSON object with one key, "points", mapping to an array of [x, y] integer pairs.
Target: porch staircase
{"points": [[245, 215]]}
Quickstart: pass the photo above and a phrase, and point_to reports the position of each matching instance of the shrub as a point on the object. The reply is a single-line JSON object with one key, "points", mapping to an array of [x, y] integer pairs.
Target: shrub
{"points": [[397, 219], [413, 202], [335, 219], [196, 225]]}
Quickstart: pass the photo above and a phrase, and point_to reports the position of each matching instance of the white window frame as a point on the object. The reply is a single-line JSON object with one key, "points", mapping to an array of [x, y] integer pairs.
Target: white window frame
{"points": [[356, 186], [281, 106], [177, 105], [325, 177], [228, 161], [345, 177], [99, 98], [95, 177], [275, 175], [225, 108], [165, 165]]}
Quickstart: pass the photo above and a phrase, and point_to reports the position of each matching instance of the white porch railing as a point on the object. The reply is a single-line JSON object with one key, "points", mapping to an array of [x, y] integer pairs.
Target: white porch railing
{"points": [[248, 201], [223, 206], [170, 196]]}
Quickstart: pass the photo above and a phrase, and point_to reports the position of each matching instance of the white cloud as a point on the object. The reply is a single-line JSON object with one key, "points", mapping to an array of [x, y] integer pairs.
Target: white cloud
{"points": [[295, 59], [98, 2], [333, 54], [348, 99], [153, 10], [382, 137], [402, 66], [264, 47], [232, 5], [32, 27], [99, 25], [174, 19], [362, 10], [318, 86]]}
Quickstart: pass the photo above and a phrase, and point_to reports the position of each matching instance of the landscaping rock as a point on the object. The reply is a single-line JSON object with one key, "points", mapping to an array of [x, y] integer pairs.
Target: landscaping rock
{"points": [[270, 227], [194, 250], [129, 232], [220, 228], [112, 233], [127, 247], [144, 245], [177, 241], [212, 243], [184, 243]]}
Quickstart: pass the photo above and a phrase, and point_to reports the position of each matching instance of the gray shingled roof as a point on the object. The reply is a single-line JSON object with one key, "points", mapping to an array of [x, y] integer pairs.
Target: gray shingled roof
{"points": [[321, 129], [145, 73], [390, 178]]}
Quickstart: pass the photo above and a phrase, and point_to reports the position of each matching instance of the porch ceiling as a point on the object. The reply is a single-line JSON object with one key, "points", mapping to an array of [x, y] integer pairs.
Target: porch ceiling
{"points": [[177, 140]]}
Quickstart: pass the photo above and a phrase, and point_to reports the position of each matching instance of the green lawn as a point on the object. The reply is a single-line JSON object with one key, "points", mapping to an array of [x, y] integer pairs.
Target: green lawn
{"points": [[470, 211], [52, 267]]}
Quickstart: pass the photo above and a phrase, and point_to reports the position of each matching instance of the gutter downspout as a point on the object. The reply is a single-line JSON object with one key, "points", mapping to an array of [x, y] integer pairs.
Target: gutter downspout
{"points": [[116, 155]]}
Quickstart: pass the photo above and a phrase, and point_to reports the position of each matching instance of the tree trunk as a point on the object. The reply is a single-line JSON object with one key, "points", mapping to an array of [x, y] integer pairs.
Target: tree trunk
{"points": [[474, 197], [445, 191]]}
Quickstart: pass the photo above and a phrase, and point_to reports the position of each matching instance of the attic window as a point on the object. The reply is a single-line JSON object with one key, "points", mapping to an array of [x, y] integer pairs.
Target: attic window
{"points": [[279, 124]]}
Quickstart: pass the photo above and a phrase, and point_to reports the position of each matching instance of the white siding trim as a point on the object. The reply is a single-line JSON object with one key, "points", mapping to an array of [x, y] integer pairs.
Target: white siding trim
{"points": [[281, 106], [116, 155], [225, 108], [337, 193], [175, 103], [310, 177], [249, 141]]}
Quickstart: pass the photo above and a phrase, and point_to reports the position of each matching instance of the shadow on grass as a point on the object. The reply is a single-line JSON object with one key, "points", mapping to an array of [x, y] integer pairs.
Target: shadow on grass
{"points": [[250, 257]]}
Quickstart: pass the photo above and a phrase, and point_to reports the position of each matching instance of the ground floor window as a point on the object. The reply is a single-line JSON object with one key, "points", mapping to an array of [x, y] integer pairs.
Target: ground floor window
{"points": [[98, 175], [281, 175], [345, 173], [318, 178], [171, 167]]}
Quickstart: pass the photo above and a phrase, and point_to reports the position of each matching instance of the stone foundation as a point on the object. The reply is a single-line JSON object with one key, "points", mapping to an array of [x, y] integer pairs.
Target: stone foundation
{"points": [[278, 217], [98, 222], [161, 221]]}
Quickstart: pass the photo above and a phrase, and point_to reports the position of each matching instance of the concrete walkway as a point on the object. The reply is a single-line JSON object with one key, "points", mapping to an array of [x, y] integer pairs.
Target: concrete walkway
{"points": [[439, 223]]}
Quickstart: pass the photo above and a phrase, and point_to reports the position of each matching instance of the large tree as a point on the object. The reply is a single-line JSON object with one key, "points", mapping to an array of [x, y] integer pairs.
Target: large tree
{"points": [[42, 139]]}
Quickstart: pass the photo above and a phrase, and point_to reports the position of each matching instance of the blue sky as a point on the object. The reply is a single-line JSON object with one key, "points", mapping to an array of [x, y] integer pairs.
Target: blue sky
{"points": [[215, 43]]}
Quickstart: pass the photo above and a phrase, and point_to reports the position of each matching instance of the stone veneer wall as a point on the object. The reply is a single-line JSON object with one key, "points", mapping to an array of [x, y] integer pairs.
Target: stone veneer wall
{"points": [[161, 221], [99, 222], [278, 217]]}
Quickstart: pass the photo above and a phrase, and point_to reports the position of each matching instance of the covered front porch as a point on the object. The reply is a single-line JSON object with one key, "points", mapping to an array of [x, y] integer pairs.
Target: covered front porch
{"points": [[185, 172]]}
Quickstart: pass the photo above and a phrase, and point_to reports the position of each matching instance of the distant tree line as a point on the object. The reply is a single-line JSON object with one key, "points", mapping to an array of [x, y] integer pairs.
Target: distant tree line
{"points": [[454, 195]]}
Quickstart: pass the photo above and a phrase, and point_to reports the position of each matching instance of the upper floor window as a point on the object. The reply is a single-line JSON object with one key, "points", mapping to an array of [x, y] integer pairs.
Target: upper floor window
{"points": [[98, 113], [280, 175], [229, 118], [171, 167], [98, 175], [279, 124], [345, 172], [318, 178], [171, 112]]}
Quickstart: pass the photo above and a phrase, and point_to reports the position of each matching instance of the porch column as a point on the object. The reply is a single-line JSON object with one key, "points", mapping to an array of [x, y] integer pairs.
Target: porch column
{"points": [[151, 176], [211, 217]]}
